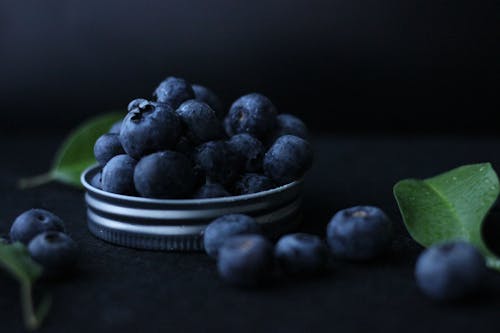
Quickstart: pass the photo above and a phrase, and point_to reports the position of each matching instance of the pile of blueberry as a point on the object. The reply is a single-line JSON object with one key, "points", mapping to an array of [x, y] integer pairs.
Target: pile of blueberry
{"points": [[245, 257], [183, 145], [44, 235]]}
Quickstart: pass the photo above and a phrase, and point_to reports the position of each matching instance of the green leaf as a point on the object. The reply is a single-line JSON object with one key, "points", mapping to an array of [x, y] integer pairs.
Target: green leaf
{"points": [[15, 259], [450, 206], [76, 152]]}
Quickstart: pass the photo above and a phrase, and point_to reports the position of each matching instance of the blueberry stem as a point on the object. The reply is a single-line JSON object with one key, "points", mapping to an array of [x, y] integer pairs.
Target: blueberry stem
{"points": [[26, 183], [32, 318]]}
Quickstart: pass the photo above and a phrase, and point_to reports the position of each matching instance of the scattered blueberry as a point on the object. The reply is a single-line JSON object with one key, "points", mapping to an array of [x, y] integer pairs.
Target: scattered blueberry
{"points": [[33, 222], [205, 95], [211, 190], [96, 180], [246, 260], [450, 271], [106, 147], [249, 149], [361, 232], [254, 114], [253, 183], [149, 128], [288, 124], [287, 159], [217, 162], [174, 91], [118, 175], [54, 250], [165, 174], [224, 227], [200, 121], [301, 254], [116, 127], [136, 103]]}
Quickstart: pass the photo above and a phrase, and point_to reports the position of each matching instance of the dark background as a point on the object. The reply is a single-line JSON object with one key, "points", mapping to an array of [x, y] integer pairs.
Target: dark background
{"points": [[345, 66], [370, 69]]}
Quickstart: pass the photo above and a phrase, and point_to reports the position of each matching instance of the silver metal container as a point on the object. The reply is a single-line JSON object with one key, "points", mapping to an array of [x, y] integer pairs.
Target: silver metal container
{"points": [[178, 225]]}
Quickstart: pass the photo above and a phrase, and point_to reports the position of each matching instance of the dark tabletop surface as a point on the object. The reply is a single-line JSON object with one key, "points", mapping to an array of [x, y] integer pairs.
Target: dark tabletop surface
{"points": [[125, 290]]}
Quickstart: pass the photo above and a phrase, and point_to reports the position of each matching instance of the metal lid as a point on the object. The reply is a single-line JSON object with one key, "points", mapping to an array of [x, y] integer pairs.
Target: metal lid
{"points": [[178, 224]]}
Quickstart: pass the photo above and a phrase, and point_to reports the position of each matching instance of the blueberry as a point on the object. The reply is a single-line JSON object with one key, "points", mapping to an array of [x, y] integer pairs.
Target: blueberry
{"points": [[200, 121], [174, 91], [55, 251], [136, 103], [116, 127], [225, 227], [217, 162], [450, 271], [205, 95], [253, 114], [253, 183], [249, 149], [361, 232], [96, 180], [106, 147], [288, 159], [118, 175], [246, 260], [33, 222], [165, 174], [288, 124], [149, 128], [301, 254], [212, 190]]}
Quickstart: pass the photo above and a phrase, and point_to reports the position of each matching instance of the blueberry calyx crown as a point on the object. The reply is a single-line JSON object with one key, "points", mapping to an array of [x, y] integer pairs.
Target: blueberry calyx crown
{"points": [[51, 237], [360, 213], [140, 110]]}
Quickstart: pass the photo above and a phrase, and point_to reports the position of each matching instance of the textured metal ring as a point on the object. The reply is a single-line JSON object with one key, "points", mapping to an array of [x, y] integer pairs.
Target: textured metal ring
{"points": [[178, 225]]}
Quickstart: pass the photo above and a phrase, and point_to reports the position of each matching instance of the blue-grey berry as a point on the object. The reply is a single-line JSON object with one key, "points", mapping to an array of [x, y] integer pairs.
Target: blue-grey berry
{"points": [[253, 114], [166, 174], [287, 124], [206, 95], [173, 91], [33, 222], [246, 260], [200, 121], [150, 128], [55, 251], [450, 271], [301, 254], [253, 183], [359, 233], [224, 227], [249, 150], [218, 163], [106, 147], [96, 180], [211, 190], [118, 175], [288, 159]]}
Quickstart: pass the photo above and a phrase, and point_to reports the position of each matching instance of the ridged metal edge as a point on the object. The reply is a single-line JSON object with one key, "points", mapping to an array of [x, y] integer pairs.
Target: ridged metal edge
{"points": [[147, 242], [174, 242]]}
